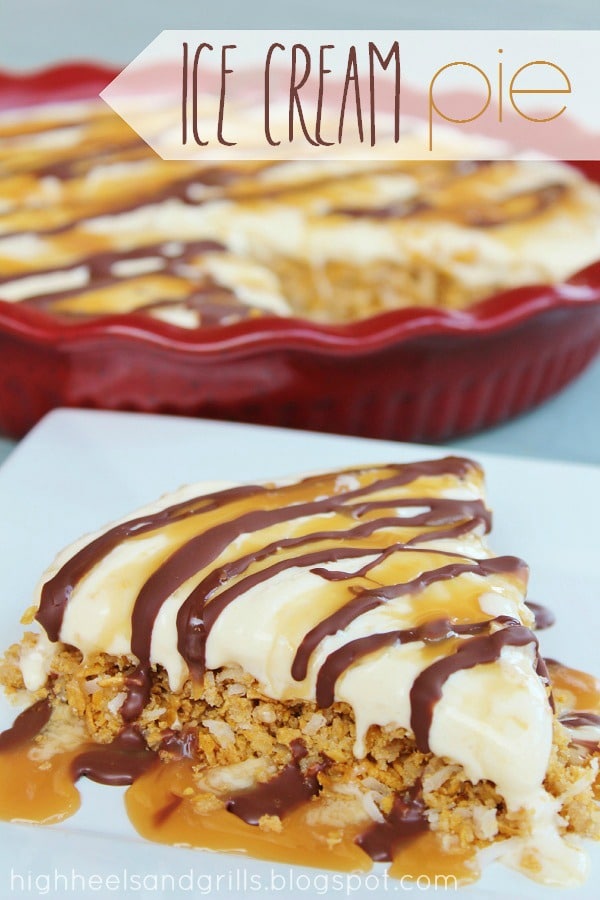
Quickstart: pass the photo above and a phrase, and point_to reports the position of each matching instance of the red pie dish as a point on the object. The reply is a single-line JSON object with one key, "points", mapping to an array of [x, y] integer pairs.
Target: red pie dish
{"points": [[419, 372]]}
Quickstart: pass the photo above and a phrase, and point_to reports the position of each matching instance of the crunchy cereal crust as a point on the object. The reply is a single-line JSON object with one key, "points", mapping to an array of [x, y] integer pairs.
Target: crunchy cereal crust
{"points": [[241, 733]]}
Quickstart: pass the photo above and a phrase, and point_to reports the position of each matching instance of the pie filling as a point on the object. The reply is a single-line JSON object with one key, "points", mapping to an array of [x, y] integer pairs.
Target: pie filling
{"points": [[93, 223]]}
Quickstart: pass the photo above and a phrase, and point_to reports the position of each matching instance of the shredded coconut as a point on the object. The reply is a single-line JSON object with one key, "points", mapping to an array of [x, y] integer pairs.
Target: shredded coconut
{"points": [[316, 721], [153, 715], [237, 777], [582, 784], [437, 779], [91, 685], [367, 799], [114, 705], [221, 731], [485, 822]]}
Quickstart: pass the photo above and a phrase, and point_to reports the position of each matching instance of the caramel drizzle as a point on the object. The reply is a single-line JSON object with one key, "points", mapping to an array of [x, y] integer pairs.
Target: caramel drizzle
{"points": [[56, 592], [215, 302], [204, 615], [371, 599], [517, 207], [101, 131], [100, 266], [30, 127], [104, 141], [431, 632], [203, 605], [427, 686]]}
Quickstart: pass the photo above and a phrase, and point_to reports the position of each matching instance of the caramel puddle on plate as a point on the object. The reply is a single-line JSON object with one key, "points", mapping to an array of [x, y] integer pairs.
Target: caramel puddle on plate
{"points": [[160, 808], [424, 857], [583, 689], [37, 791]]}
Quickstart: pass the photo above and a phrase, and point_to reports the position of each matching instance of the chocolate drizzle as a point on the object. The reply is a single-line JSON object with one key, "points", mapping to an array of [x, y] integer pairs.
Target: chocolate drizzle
{"points": [[284, 793], [180, 189], [199, 611], [402, 209], [427, 686], [101, 272], [514, 208], [221, 182], [25, 727], [405, 820], [371, 599], [430, 632], [580, 720], [163, 814], [544, 617], [541, 670], [201, 550], [57, 591], [138, 685], [79, 198], [171, 254], [118, 763], [215, 305], [503, 211], [199, 628], [78, 166], [180, 744], [576, 720], [195, 618]]}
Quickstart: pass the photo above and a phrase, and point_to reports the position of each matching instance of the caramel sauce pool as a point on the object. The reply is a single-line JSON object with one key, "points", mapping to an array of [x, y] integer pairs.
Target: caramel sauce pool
{"points": [[581, 690], [160, 805], [37, 791], [160, 810]]}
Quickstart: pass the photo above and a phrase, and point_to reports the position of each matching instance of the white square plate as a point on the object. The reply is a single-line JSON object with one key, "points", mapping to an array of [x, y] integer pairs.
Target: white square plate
{"points": [[78, 470]]}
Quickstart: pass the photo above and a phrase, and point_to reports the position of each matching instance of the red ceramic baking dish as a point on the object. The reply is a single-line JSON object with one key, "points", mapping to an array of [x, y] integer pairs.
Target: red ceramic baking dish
{"points": [[411, 374]]}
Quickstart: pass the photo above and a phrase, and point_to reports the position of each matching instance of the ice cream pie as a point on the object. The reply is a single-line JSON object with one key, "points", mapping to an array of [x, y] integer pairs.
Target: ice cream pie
{"points": [[327, 670], [92, 223]]}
